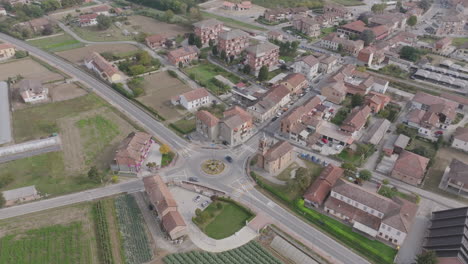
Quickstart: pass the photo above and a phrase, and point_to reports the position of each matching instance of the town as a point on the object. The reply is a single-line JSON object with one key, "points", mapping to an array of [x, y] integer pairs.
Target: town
{"points": [[307, 132]]}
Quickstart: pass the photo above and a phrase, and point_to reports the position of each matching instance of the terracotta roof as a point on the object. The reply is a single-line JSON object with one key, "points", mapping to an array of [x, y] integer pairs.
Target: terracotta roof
{"points": [[101, 8], [233, 34], [327, 59], [195, 94], [415, 116], [4, 46], [401, 219], [319, 189], [236, 116], [273, 97], [158, 193], [130, 149], [184, 51], [274, 33], [429, 99], [86, 18], [357, 25], [34, 86], [228, 4], [456, 98], [262, 48], [356, 119], [379, 30], [458, 171], [461, 133], [207, 118], [155, 38], [278, 150], [208, 23], [310, 60], [39, 22], [409, 163], [102, 64], [172, 220], [353, 213], [294, 79]]}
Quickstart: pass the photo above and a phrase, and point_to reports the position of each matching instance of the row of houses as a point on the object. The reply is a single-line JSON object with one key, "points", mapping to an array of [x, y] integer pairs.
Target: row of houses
{"points": [[87, 20]]}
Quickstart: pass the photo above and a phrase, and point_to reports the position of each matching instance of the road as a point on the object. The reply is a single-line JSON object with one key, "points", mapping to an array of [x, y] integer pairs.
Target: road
{"points": [[29, 153]]}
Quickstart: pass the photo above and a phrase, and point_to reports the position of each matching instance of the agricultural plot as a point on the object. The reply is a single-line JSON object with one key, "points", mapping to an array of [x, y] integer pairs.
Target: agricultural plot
{"points": [[102, 233], [56, 43], [204, 74], [79, 54], [251, 253], [153, 26], [52, 244], [92, 33], [28, 69], [132, 228]]}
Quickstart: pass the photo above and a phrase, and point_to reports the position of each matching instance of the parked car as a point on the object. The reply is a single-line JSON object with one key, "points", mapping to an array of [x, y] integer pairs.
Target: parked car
{"points": [[338, 147], [193, 179], [274, 118], [204, 204], [229, 159], [197, 198]]}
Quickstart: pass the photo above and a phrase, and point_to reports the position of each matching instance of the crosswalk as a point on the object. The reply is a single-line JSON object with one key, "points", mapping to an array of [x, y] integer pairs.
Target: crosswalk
{"points": [[241, 186]]}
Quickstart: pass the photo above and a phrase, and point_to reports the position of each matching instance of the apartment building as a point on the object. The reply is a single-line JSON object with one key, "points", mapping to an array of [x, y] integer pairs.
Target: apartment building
{"points": [[262, 54], [208, 30], [233, 42]]}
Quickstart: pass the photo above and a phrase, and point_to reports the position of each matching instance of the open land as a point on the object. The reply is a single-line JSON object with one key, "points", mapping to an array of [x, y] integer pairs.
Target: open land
{"points": [[29, 69], [56, 43], [78, 55], [159, 88], [232, 22], [92, 33], [204, 73], [153, 26]]}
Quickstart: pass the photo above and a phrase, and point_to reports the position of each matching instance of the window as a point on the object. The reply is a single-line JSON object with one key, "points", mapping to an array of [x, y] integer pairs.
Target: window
{"points": [[398, 233], [380, 215], [388, 229], [349, 200]]}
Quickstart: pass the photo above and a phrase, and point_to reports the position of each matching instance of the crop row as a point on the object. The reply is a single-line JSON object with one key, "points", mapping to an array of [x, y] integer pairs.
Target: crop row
{"points": [[251, 253], [131, 224], [102, 233]]}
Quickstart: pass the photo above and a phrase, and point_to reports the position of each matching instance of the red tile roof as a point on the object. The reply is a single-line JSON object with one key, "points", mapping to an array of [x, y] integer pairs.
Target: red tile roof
{"points": [[172, 220], [411, 164], [356, 119], [130, 149], [461, 133], [102, 64], [294, 79], [196, 94], [278, 150], [207, 118], [159, 194], [319, 189]]}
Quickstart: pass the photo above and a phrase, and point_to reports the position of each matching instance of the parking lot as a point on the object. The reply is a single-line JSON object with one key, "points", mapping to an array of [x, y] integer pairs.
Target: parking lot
{"points": [[189, 201]]}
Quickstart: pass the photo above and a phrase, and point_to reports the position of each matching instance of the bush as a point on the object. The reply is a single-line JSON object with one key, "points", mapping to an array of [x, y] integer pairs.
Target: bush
{"points": [[387, 191], [19, 54], [172, 73]]}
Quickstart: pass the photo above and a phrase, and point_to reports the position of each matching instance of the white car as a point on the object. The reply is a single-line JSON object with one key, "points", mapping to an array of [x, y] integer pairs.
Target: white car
{"points": [[338, 147]]}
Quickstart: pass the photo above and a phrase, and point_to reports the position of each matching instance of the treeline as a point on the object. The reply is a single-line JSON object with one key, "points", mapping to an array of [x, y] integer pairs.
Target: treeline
{"points": [[177, 6], [289, 3]]}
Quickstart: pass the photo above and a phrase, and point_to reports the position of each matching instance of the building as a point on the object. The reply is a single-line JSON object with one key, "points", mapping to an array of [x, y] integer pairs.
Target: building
{"points": [[355, 27], [371, 213], [208, 30], [275, 35], [233, 42], [327, 63], [184, 55], [266, 107], [440, 111], [207, 125], [456, 176], [282, 14], [166, 206], [20, 195], [131, 153], [460, 138], [308, 66], [376, 101], [395, 144], [193, 99], [307, 26], [101, 10], [244, 5], [295, 116], [442, 45], [236, 126], [3, 12], [333, 42], [462, 101], [103, 68], [410, 168], [338, 11], [318, 191], [446, 236], [32, 91], [295, 82], [263, 54], [274, 158], [37, 25], [5, 119], [451, 24], [156, 41], [334, 91], [7, 51], [371, 56], [356, 120], [393, 21], [376, 132], [87, 20]]}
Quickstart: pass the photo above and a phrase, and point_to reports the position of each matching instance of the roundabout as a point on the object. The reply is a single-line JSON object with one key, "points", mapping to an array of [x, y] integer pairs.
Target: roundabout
{"points": [[213, 166]]}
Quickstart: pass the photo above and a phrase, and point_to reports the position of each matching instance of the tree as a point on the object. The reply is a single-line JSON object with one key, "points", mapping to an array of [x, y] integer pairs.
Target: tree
{"points": [[141, 37], [340, 48], [387, 191], [191, 39], [136, 69], [223, 55], [164, 149], [50, 5], [410, 53], [95, 175], [214, 50], [231, 58], [211, 42], [2, 200], [364, 17], [423, 151], [168, 15], [303, 178], [246, 69], [21, 54], [144, 58], [198, 42], [263, 74], [349, 167], [104, 22], [428, 257], [367, 36], [168, 43], [412, 21], [48, 30], [357, 100], [385, 182], [425, 5], [151, 165], [365, 175], [378, 8], [181, 65]]}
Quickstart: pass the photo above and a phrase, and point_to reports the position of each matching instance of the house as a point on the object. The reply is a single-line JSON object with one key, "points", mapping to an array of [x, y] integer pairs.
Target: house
{"points": [[318, 191], [87, 20], [296, 115], [439, 112], [156, 41], [456, 176], [338, 11], [308, 66], [295, 82], [281, 14], [266, 107], [376, 101], [233, 42], [101, 10], [244, 5], [184, 55], [275, 35], [207, 125], [3, 12], [356, 120], [333, 41], [327, 63], [166, 206], [103, 68], [460, 138], [32, 91], [355, 27], [442, 45], [371, 213], [334, 91], [263, 54], [446, 236], [396, 144], [410, 168], [274, 158], [7, 51], [371, 55], [20, 195], [376, 132], [307, 26], [236, 126], [393, 21], [208, 30], [462, 101], [131, 153], [451, 24], [193, 99], [228, 5]]}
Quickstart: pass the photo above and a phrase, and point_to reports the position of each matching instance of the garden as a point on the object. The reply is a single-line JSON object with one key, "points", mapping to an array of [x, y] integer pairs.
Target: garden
{"points": [[56, 43], [184, 126], [357, 157], [102, 233], [251, 253], [141, 63], [222, 218], [204, 74], [213, 167]]}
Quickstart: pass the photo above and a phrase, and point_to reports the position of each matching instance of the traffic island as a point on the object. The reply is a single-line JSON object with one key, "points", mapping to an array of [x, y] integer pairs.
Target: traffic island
{"points": [[213, 167]]}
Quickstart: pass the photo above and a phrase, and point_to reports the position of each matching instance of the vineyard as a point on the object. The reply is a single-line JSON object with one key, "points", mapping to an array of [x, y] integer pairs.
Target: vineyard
{"points": [[251, 253], [132, 227], [53, 244], [102, 233]]}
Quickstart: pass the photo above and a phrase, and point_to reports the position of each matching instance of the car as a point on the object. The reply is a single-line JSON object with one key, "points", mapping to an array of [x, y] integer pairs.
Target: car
{"points": [[150, 207], [197, 198], [204, 204], [225, 143], [338, 147], [274, 119], [193, 179], [229, 159]]}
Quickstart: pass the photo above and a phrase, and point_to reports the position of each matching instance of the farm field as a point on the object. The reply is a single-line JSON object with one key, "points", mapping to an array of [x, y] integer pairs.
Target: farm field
{"points": [[92, 33], [153, 26], [79, 54], [459, 41], [185, 125], [133, 230], [204, 73], [29, 69], [232, 22], [251, 253], [349, 2], [57, 43], [159, 88]]}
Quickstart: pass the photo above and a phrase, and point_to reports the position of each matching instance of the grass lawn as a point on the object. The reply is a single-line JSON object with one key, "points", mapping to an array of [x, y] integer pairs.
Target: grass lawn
{"points": [[232, 22], [226, 218], [216, 110], [204, 73], [349, 2], [57, 43], [286, 173], [272, 74], [347, 155], [459, 41], [167, 159], [328, 30], [287, 58], [184, 126], [92, 33], [417, 143]]}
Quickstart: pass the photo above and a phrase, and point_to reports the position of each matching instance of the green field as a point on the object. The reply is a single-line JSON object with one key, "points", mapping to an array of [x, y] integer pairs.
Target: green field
{"points": [[204, 73], [52, 244], [184, 126], [251, 253], [349, 2], [459, 41], [224, 219], [57, 43], [232, 22], [113, 33]]}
